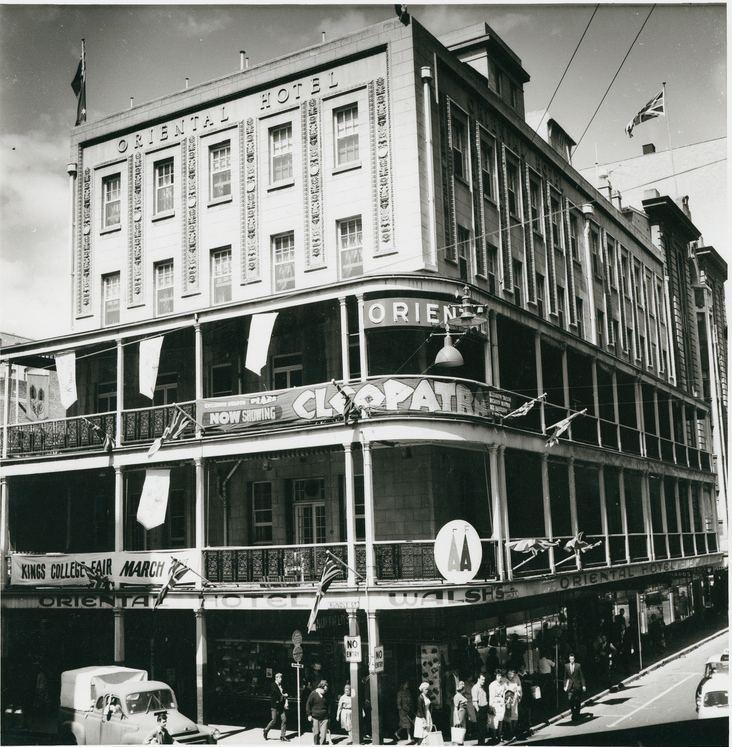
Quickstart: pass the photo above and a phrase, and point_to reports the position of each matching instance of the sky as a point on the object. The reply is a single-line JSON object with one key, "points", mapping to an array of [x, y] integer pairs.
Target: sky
{"points": [[146, 51]]}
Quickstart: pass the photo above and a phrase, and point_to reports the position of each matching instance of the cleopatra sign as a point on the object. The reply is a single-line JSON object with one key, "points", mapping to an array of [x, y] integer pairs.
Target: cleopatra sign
{"points": [[458, 552]]}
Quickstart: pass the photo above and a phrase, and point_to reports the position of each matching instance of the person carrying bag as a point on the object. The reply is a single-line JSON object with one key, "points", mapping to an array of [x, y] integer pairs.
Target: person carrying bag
{"points": [[423, 718], [459, 715]]}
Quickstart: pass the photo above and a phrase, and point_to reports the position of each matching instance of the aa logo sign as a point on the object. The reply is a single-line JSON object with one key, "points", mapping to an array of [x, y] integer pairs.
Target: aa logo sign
{"points": [[458, 552]]}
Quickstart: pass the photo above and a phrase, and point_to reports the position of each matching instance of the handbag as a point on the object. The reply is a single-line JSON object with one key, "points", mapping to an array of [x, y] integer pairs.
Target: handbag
{"points": [[434, 737], [420, 727], [457, 734], [536, 692]]}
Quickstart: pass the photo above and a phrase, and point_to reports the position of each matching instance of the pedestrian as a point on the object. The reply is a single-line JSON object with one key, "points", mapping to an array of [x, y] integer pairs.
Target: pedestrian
{"points": [[512, 696], [531, 658], [405, 708], [545, 667], [343, 714], [317, 712], [480, 703], [526, 704], [160, 735], [459, 714], [278, 709], [423, 718], [574, 685], [496, 706]]}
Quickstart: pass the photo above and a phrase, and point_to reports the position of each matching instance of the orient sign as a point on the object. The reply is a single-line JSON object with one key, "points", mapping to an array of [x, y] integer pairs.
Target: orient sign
{"points": [[458, 552], [406, 312]]}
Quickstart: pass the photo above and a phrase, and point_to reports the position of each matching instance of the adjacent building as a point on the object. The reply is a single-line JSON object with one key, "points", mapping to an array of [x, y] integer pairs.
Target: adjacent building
{"points": [[376, 193]]}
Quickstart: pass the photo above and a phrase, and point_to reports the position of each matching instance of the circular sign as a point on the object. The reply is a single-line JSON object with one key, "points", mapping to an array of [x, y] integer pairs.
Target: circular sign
{"points": [[458, 552], [297, 638], [297, 654]]}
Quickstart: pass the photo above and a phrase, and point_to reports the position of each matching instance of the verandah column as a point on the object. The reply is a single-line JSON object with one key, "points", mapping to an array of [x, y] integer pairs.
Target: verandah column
{"points": [[4, 539], [677, 501], [539, 381], [664, 514], [350, 512], [603, 512], [624, 512], [373, 633], [6, 406], [120, 392], [547, 505], [362, 347], [647, 517], [199, 525], [119, 546], [505, 529], [119, 636], [368, 498], [201, 660], [692, 525], [496, 509], [198, 365], [345, 363]]}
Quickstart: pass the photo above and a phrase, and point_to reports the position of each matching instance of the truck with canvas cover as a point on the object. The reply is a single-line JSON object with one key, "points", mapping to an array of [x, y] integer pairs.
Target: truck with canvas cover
{"points": [[117, 705]]}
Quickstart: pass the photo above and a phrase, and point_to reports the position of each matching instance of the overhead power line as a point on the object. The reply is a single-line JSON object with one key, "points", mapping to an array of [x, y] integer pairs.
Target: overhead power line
{"points": [[566, 69], [617, 72]]}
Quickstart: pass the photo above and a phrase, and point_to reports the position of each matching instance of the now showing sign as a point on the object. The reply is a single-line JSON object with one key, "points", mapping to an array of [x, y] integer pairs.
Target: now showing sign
{"points": [[352, 647]]}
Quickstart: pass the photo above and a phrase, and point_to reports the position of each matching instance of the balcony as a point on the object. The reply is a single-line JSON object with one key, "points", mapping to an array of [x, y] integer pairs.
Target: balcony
{"points": [[379, 396]]}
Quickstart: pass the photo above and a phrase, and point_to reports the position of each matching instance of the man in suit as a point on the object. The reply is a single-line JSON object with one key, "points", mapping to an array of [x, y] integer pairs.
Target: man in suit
{"points": [[574, 685], [480, 703], [278, 709]]}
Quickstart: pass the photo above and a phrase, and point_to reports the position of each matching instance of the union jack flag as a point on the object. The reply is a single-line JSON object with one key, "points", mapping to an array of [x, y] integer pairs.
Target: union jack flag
{"points": [[654, 108]]}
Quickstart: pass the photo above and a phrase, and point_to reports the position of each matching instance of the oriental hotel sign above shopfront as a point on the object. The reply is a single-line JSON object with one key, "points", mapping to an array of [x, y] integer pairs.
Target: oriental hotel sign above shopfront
{"points": [[377, 397]]}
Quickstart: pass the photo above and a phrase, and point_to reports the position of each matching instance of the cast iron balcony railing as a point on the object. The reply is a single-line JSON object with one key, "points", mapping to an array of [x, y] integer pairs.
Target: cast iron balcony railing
{"points": [[80, 433], [148, 423]]}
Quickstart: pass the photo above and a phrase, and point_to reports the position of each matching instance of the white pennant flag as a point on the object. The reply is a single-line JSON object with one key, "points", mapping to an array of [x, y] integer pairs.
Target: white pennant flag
{"points": [[66, 372], [149, 362], [260, 334], [154, 499]]}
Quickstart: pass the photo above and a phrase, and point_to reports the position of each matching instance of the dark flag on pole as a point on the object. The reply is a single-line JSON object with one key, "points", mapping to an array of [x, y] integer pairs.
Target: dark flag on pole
{"points": [[177, 571], [78, 84]]}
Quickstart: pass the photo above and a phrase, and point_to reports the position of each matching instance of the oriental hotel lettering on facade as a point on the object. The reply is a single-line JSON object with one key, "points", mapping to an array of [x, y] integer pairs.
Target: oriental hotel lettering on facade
{"points": [[219, 115]]}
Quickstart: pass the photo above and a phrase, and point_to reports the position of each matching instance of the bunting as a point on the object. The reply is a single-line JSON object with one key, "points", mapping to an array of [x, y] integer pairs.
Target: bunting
{"points": [[260, 335], [66, 372], [561, 426], [148, 365], [154, 499], [519, 412], [179, 421]]}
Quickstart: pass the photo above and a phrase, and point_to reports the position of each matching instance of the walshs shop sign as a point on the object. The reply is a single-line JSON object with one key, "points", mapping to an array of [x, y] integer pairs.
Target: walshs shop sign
{"points": [[382, 396]]}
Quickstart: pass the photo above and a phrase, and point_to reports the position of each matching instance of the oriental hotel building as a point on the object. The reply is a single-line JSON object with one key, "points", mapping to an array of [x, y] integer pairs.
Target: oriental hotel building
{"points": [[374, 192]]}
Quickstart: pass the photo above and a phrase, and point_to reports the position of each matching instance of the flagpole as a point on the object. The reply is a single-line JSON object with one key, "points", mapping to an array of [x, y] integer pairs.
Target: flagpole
{"points": [[668, 136]]}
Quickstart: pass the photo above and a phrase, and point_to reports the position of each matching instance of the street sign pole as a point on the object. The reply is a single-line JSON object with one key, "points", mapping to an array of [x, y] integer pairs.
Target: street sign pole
{"points": [[299, 710], [355, 702]]}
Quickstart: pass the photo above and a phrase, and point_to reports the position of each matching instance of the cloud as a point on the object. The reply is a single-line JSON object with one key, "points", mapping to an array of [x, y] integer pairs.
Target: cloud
{"points": [[33, 235], [337, 26], [199, 21], [440, 19]]}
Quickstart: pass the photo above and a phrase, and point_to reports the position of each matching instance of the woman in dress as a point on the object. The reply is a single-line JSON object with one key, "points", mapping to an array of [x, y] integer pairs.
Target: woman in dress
{"points": [[423, 719], [459, 711], [343, 714]]}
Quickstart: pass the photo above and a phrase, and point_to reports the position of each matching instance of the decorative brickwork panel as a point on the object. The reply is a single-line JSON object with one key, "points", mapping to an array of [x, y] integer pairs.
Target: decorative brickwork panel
{"points": [[381, 158], [505, 222], [550, 264], [448, 181], [478, 210], [569, 262], [528, 233], [313, 182], [250, 263], [135, 262], [189, 169], [84, 269]]}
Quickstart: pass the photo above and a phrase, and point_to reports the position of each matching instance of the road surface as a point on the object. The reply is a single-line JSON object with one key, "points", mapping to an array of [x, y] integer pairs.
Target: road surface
{"points": [[657, 708]]}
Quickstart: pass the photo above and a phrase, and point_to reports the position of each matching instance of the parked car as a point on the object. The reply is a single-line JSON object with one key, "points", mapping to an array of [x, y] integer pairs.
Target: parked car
{"points": [[716, 664], [117, 705], [713, 701]]}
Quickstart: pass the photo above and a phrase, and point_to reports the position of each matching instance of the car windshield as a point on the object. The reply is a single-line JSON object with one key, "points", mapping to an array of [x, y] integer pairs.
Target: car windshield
{"points": [[716, 667], [715, 698], [150, 700]]}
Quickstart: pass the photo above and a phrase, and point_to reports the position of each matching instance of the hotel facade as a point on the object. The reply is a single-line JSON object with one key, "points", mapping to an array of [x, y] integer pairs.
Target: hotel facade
{"points": [[375, 192]]}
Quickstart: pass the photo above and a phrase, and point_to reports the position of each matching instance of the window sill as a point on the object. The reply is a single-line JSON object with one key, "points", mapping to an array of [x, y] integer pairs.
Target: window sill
{"points": [[281, 185], [538, 235], [577, 261], [490, 201], [462, 180], [342, 168], [163, 216], [110, 229], [219, 201]]}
